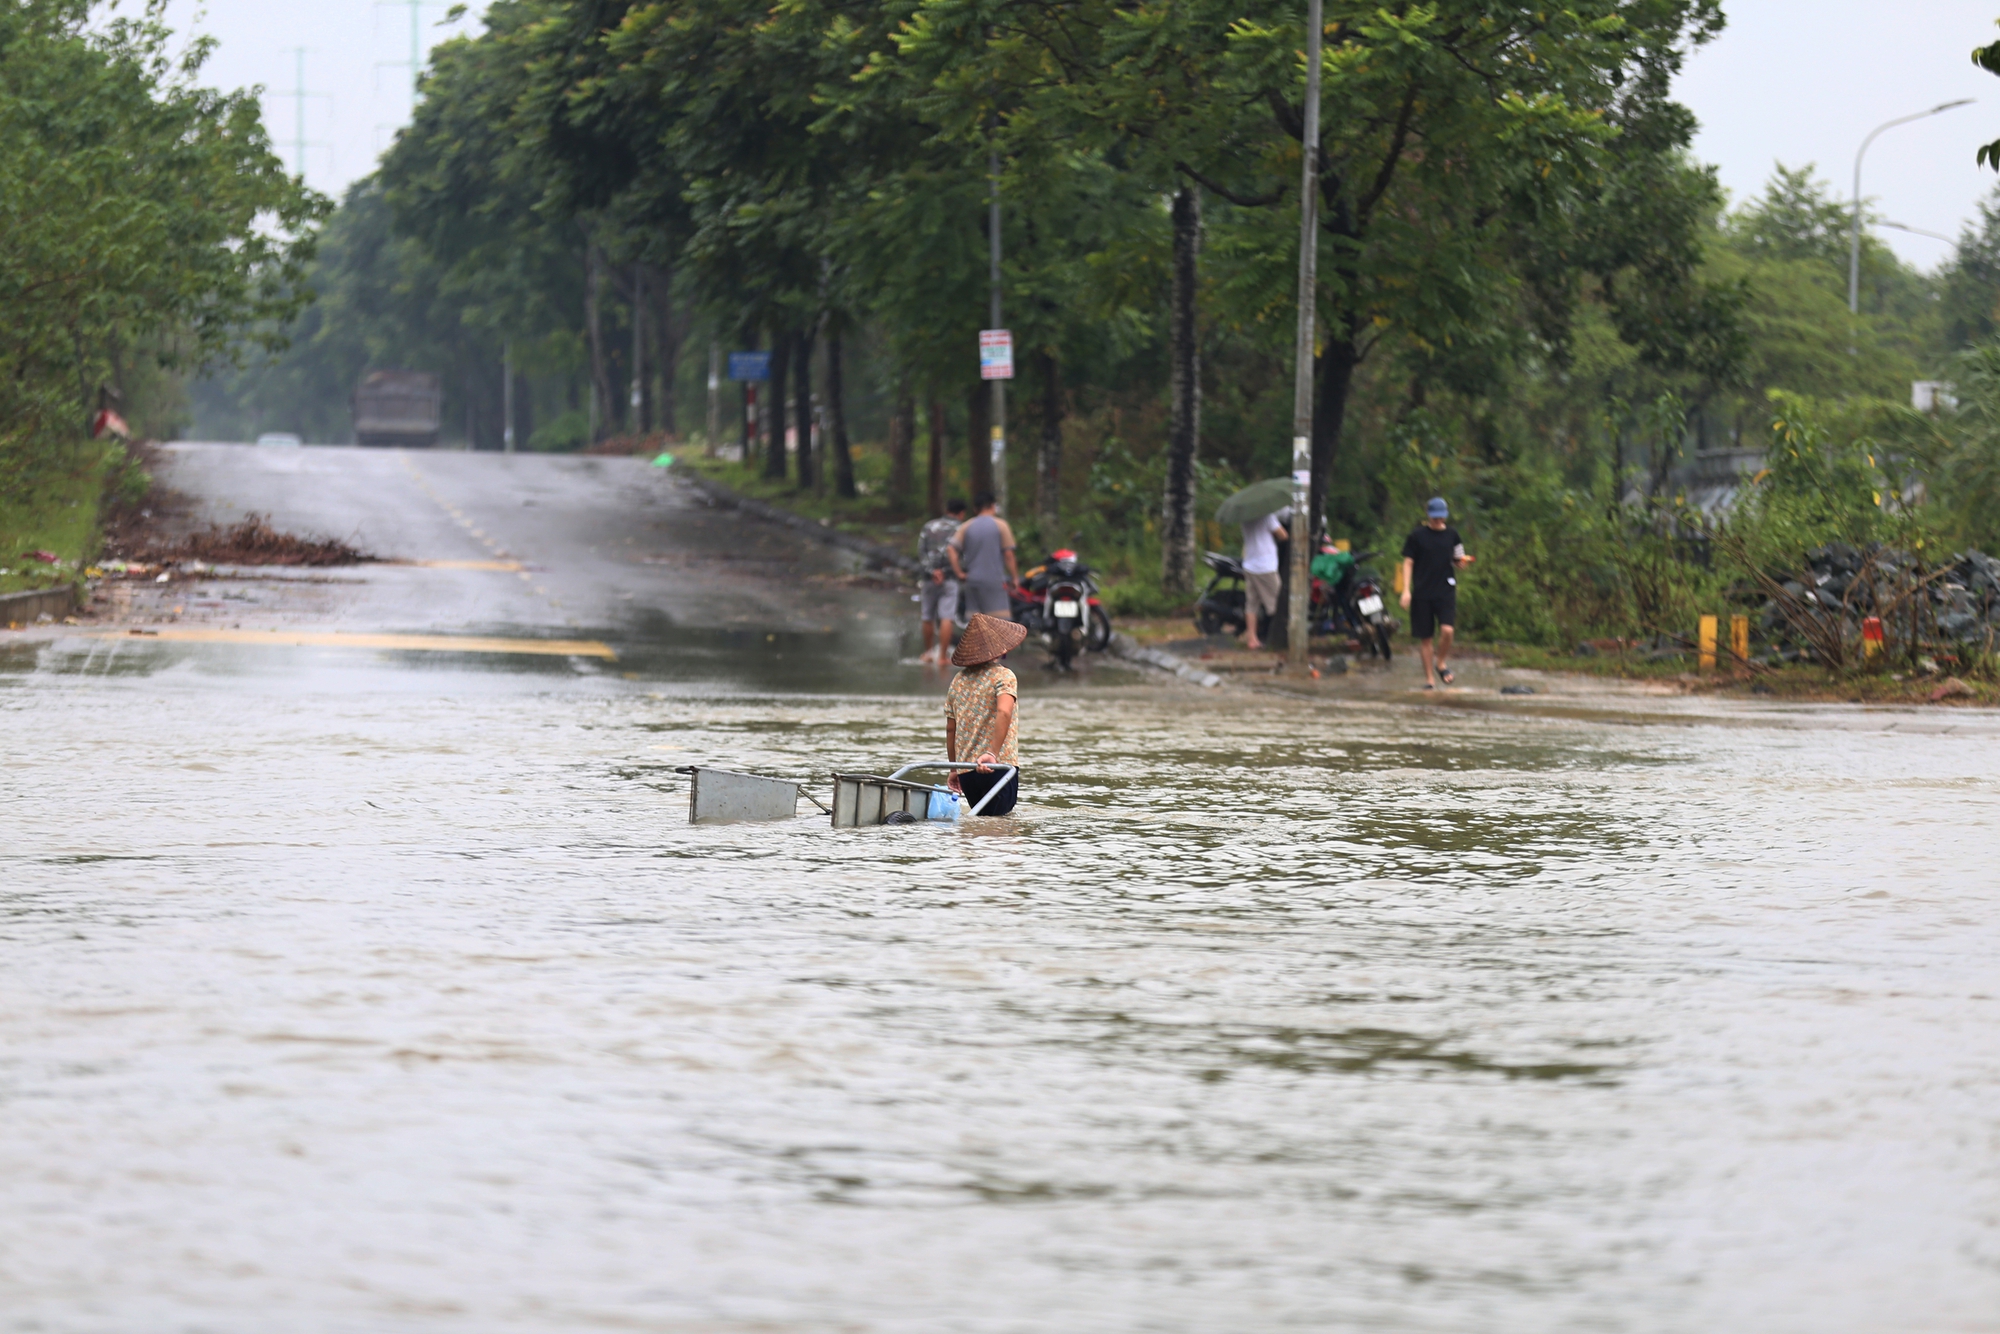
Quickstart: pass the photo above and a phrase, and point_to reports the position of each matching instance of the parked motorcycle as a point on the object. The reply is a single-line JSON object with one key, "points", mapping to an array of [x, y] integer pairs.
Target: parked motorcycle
{"points": [[1361, 603], [1351, 604], [1367, 609], [1219, 610], [1058, 602]]}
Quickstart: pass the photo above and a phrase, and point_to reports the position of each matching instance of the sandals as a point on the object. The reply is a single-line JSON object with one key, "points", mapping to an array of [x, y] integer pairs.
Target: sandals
{"points": [[1444, 675]]}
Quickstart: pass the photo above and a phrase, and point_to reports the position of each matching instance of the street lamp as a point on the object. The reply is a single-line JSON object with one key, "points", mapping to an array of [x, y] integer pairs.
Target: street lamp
{"points": [[1854, 235], [1918, 231]]}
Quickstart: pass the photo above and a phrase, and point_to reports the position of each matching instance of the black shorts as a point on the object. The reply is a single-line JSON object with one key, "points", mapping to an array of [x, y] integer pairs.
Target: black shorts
{"points": [[1426, 614], [975, 785]]}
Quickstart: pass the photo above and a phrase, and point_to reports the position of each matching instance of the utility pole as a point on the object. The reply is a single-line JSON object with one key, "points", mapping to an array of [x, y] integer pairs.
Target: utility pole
{"points": [[714, 394], [416, 61], [639, 426], [299, 112], [1302, 354], [507, 397], [999, 385], [299, 96]]}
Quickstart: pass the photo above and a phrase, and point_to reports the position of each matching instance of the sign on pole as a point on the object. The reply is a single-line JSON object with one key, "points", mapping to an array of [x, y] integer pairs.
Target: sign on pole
{"points": [[996, 354], [752, 366]]}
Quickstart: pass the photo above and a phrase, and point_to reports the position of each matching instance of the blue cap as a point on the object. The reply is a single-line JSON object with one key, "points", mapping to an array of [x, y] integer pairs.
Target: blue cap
{"points": [[1437, 509]]}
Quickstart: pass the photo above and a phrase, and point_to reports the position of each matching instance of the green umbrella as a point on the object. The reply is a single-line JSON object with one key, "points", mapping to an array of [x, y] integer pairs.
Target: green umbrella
{"points": [[1255, 501]]}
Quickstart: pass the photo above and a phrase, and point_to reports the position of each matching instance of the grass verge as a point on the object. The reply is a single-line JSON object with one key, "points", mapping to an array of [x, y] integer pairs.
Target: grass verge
{"points": [[873, 517], [1798, 684], [58, 513]]}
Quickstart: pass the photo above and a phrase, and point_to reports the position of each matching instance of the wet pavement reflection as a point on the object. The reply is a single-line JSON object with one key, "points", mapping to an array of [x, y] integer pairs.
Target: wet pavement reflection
{"points": [[393, 992]]}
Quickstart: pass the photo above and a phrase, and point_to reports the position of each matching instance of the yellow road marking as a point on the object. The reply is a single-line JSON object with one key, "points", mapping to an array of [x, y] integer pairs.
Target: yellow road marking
{"points": [[503, 566], [562, 648]]}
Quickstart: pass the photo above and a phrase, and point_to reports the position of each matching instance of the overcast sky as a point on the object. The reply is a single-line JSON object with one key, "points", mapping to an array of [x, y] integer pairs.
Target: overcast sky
{"points": [[357, 61], [1795, 81]]}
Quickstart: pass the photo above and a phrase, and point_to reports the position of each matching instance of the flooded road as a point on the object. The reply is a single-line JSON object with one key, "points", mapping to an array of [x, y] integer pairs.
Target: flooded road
{"points": [[352, 989]]}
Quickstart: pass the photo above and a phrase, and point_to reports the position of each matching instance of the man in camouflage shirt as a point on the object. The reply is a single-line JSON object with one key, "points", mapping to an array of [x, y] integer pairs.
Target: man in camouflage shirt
{"points": [[937, 587]]}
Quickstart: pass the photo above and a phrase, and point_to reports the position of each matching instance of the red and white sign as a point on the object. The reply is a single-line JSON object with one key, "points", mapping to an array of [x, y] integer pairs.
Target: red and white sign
{"points": [[996, 354]]}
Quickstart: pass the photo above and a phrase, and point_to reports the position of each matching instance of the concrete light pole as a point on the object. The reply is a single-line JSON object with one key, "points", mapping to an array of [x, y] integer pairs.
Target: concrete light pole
{"points": [[1854, 232], [1296, 628], [999, 385]]}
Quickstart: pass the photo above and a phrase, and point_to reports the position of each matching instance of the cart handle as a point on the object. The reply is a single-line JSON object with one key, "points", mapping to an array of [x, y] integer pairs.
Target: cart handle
{"points": [[1012, 772]]}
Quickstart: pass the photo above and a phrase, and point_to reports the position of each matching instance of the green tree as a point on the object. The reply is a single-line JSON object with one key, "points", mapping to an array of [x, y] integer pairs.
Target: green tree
{"points": [[145, 219]]}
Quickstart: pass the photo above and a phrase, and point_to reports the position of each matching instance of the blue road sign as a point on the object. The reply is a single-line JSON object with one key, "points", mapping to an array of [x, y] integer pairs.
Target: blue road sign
{"points": [[749, 365]]}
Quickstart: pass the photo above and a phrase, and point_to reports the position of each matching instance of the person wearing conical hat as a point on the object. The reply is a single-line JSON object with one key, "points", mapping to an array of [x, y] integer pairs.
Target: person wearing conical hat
{"points": [[981, 711]]}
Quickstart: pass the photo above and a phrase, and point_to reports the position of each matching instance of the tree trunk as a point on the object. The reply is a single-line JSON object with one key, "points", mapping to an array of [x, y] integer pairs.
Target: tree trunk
{"points": [[978, 435], [934, 505], [751, 398], [802, 405], [669, 338], [771, 404], [1048, 463], [1184, 429], [641, 397], [602, 400], [836, 416], [902, 444], [524, 411], [1336, 364]]}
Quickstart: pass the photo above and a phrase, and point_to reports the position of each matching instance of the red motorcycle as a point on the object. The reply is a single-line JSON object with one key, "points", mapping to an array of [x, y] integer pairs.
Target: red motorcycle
{"points": [[1057, 601]]}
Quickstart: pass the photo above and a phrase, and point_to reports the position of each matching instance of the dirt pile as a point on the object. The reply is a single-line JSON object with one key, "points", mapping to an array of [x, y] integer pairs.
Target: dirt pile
{"points": [[252, 541]]}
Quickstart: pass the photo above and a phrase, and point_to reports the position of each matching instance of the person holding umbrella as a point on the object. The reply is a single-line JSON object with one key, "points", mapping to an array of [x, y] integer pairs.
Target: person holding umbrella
{"points": [[1263, 510]]}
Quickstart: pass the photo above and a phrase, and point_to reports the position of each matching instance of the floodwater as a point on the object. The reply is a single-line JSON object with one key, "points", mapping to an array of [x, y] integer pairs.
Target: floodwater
{"points": [[374, 992]]}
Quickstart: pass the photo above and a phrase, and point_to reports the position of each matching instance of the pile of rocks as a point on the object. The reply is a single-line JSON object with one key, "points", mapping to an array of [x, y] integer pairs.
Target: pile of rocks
{"points": [[1958, 608]]}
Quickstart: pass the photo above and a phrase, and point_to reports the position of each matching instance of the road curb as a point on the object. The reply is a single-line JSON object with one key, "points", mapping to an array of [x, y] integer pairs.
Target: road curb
{"points": [[877, 555], [1123, 647], [27, 608]]}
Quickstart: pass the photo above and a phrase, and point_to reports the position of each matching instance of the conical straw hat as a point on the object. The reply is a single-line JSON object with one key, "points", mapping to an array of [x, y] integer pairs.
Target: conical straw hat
{"points": [[986, 638]]}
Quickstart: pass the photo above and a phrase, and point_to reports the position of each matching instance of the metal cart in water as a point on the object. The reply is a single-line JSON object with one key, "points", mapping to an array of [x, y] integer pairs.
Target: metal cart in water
{"points": [[720, 796]]}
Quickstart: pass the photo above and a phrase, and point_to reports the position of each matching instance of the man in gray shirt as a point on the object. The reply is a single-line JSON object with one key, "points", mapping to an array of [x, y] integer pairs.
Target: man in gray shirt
{"points": [[982, 557]]}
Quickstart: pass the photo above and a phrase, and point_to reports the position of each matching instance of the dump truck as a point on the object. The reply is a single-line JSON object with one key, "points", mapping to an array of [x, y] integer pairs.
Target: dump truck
{"points": [[397, 408]]}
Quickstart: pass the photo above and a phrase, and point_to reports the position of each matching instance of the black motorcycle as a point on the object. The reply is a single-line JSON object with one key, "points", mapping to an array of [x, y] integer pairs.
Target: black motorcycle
{"points": [[1357, 605], [1220, 609], [1058, 603]]}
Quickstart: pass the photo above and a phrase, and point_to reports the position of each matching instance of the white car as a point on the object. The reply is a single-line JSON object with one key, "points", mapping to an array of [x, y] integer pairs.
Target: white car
{"points": [[281, 438]]}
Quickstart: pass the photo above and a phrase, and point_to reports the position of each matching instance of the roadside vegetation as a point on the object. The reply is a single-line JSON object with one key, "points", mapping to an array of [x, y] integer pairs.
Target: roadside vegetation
{"points": [[148, 232]]}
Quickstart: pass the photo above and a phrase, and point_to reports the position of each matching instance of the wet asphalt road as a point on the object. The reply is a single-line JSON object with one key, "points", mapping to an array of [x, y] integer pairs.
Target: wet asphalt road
{"points": [[604, 544]]}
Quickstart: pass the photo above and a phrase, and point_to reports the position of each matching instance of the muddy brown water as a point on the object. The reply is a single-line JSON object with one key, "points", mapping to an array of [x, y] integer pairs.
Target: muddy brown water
{"points": [[385, 992]]}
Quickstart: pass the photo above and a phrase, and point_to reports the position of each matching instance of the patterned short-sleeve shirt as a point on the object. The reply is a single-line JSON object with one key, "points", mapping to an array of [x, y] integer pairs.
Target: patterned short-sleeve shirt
{"points": [[974, 702], [933, 539]]}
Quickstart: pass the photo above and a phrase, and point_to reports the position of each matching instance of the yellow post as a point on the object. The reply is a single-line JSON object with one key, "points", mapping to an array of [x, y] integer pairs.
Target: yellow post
{"points": [[1739, 640], [1706, 659]]}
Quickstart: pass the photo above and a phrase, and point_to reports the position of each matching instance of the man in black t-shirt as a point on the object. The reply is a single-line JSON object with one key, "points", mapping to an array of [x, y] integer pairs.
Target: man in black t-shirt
{"points": [[1432, 558]]}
